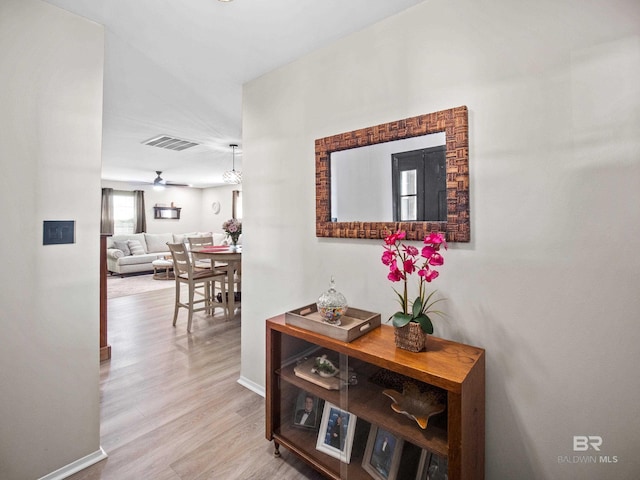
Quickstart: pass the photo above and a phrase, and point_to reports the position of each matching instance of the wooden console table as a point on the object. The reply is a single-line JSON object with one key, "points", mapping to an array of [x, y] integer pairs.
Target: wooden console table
{"points": [[456, 370]]}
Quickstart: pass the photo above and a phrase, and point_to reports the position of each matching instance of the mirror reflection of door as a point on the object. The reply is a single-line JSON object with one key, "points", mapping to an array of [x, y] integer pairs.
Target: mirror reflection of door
{"points": [[419, 185]]}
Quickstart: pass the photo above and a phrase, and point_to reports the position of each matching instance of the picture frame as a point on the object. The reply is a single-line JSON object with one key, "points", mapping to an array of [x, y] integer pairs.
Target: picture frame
{"points": [[382, 454], [337, 429], [432, 467], [306, 413]]}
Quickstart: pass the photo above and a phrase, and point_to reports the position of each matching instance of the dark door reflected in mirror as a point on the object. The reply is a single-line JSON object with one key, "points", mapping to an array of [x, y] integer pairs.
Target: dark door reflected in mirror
{"points": [[419, 185], [409, 199]]}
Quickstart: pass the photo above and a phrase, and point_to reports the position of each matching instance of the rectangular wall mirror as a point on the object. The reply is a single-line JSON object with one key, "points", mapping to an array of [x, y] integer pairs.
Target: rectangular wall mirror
{"points": [[411, 174]]}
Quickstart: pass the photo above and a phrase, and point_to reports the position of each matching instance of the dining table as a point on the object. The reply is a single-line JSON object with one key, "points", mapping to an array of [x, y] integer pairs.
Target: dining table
{"points": [[232, 256]]}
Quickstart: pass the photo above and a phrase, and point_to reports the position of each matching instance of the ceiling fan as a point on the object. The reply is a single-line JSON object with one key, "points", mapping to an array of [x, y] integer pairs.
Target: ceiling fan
{"points": [[160, 183]]}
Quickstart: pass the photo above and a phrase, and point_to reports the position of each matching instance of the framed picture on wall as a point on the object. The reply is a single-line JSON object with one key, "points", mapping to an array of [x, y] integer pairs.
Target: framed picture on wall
{"points": [[337, 428], [382, 455]]}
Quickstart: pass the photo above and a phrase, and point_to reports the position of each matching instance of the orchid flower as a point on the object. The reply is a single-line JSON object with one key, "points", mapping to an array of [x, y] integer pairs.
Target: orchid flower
{"points": [[410, 259]]}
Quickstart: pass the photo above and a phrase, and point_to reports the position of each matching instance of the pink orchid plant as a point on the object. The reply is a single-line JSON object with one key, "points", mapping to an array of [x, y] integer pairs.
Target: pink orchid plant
{"points": [[403, 260]]}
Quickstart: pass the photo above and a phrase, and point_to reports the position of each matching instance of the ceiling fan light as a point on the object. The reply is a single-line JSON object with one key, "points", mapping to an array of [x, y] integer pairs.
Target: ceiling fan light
{"points": [[158, 183]]}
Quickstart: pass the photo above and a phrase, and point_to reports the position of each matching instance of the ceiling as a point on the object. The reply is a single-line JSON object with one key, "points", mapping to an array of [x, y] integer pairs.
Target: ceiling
{"points": [[176, 68]]}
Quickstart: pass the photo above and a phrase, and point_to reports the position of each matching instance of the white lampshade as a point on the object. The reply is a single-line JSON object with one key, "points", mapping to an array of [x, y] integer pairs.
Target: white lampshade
{"points": [[232, 176]]}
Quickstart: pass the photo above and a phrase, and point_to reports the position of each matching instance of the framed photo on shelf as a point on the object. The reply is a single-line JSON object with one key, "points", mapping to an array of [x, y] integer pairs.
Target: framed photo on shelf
{"points": [[382, 455], [432, 467], [337, 428], [307, 411]]}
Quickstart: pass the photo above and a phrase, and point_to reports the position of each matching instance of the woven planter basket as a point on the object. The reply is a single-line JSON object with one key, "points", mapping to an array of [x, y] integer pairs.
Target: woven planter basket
{"points": [[410, 337]]}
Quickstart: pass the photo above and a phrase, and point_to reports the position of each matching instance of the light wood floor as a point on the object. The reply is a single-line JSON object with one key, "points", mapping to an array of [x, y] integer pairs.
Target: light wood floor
{"points": [[171, 407]]}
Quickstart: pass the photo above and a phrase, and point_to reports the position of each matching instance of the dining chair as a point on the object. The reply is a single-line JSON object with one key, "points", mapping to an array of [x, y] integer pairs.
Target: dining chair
{"points": [[185, 273], [199, 261]]}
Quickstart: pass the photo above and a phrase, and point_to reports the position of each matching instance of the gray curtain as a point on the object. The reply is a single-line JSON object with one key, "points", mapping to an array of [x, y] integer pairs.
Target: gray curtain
{"points": [[140, 216], [106, 214]]}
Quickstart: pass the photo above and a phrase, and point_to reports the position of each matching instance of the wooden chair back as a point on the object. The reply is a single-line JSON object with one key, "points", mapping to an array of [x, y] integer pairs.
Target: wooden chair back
{"points": [[200, 242], [181, 262]]}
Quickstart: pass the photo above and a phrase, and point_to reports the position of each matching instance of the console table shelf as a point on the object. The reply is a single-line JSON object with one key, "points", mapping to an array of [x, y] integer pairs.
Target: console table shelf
{"points": [[457, 370]]}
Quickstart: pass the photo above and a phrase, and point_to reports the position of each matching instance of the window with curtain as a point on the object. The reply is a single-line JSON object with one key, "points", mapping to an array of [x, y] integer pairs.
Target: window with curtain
{"points": [[122, 212]]}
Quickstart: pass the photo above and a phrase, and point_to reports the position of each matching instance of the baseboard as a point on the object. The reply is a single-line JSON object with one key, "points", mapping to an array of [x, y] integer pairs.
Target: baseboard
{"points": [[76, 466], [254, 387]]}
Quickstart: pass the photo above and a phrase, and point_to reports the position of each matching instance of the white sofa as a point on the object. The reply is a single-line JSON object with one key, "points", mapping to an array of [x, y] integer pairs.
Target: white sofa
{"points": [[121, 260]]}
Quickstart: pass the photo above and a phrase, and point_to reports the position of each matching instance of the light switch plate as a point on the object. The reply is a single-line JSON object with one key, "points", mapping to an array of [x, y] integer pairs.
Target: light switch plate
{"points": [[56, 232]]}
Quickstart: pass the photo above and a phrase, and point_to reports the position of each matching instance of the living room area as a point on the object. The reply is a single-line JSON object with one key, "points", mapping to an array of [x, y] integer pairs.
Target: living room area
{"points": [[203, 212]]}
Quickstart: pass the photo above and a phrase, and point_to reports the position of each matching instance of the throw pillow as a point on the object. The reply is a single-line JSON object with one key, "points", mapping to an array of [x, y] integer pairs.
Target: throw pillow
{"points": [[157, 242], [136, 247], [123, 246]]}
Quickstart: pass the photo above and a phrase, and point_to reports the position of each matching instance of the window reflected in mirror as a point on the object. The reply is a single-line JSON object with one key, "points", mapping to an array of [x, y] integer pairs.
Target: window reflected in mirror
{"points": [[407, 196]]}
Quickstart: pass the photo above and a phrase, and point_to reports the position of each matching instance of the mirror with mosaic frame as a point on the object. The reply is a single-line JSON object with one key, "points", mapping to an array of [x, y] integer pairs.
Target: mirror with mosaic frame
{"points": [[454, 123]]}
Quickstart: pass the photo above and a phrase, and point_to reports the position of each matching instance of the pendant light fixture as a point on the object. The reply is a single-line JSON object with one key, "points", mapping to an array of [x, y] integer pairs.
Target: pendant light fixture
{"points": [[232, 176]]}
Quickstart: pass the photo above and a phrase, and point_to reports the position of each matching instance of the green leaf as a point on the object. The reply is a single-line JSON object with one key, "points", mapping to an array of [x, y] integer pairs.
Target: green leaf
{"points": [[400, 299], [425, 323], [400, 319], [428, 305], [417, 307]]}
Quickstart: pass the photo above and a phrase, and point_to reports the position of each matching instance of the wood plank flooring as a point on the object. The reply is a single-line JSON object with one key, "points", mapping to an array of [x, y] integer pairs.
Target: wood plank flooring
{"points": [[171, 407]]}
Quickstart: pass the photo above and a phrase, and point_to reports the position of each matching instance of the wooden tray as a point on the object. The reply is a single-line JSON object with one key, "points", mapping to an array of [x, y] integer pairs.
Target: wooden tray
{"points": [[354, 323]]}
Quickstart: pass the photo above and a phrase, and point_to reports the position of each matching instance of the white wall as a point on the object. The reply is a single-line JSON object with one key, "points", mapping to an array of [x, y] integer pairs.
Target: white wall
{"points": [[210, 220], [549, 283], [188, 199], [50, 140], [196, 214]]}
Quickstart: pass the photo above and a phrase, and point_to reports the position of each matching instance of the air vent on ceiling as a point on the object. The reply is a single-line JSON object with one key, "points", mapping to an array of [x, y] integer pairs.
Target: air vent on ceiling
{"points": [[170, 143]]}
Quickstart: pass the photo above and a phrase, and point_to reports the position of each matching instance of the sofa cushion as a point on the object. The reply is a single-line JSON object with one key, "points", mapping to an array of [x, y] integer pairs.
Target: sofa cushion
{"points": [[136, 247], [182, 237], [122, 245], [218, 238], [157, 242], [138, 259], [125, 238]]}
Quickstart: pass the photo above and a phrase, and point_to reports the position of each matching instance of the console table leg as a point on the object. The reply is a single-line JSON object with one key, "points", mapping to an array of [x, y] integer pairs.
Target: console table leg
{"points": [[276, 449]]}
